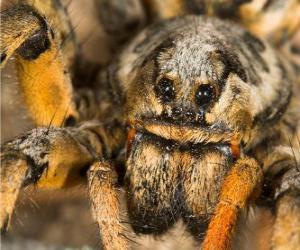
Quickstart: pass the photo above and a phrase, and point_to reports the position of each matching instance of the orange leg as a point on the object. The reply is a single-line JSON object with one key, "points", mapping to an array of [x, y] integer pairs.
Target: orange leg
{"points": [[241, 185]]}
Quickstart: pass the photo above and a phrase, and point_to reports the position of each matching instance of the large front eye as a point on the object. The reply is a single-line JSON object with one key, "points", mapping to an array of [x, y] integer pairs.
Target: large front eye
{"points": [[165, 89], [205, 94]]}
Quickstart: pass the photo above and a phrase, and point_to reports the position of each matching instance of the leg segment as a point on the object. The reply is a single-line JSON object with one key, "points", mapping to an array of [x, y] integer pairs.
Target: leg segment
{"points": [[52, 158], [44, 79], [280, 159], [240, 186], [18, 25], [276, 21], [286, 231], [58, 19], [174, 8], [11, 182], [106, 206]]}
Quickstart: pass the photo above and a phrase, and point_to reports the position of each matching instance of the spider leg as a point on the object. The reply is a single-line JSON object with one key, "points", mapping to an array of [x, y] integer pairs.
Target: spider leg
{"points": [[43, 76], [173, 8], [281, 189], [58, 19], [286, 231], [165, 9], [257, 16], [240, 186], [106, 211], [259, 19], [11, 182], [52, 158]]}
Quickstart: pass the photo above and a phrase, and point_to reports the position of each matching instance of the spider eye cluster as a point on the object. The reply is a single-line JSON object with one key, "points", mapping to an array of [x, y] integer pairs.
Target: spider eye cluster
{"points": [[205, 94], [165, 90]]}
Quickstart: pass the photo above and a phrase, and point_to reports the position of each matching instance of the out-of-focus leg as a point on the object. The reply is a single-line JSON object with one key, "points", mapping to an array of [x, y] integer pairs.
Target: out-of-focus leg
{"points": [[58, 18], [286, 231], [44, 77], [12, 180], [276, 21], [165, 9]]}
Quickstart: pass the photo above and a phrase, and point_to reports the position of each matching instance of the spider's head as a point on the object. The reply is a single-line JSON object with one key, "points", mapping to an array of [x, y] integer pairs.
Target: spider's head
{"points": [[191, 87]]}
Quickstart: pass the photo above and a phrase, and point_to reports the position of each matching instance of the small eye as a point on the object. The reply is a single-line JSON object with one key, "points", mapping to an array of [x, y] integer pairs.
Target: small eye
{"points": [[165, 89], [205, 94]]}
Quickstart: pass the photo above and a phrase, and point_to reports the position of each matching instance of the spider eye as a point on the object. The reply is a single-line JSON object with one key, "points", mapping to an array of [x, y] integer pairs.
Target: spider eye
{"points": [[204, 95], [165, 89]]}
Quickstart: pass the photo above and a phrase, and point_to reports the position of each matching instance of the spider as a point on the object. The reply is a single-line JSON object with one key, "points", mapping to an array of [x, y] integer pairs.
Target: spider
{"points": [[196, 117]]}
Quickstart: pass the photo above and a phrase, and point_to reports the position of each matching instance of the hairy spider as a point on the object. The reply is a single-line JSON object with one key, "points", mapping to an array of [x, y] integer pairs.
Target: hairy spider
{"points": [[196, 117]]}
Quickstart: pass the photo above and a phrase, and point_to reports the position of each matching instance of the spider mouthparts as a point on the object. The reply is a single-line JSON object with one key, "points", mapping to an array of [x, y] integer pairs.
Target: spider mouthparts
{"points": [[235, 149]]}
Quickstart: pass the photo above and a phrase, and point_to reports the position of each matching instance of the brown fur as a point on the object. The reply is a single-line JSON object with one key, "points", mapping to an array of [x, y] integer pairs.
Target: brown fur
{"points": [[105, 206], [11, 183]]}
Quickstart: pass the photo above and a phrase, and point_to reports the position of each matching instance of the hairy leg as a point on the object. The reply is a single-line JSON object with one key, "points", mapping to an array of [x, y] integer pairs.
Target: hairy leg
{"points": [[240, 186], [286, 231], [11, 183], [280, 158], [173, 8], [58, 18], [43, 75], [53, 158], [105, 203], [274, 20], [48, 157]]}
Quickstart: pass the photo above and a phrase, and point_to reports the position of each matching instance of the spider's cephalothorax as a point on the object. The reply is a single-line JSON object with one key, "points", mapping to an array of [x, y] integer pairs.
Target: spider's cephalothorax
{"points": [[210, 112], [193, 91]]}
